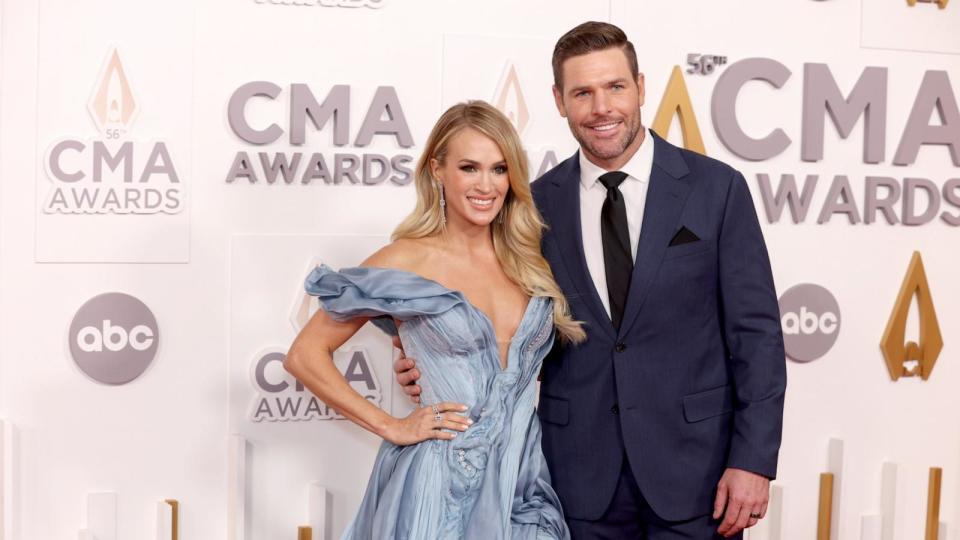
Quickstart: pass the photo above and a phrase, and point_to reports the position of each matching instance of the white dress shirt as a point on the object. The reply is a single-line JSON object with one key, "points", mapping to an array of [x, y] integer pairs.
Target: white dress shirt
{"points": [[592, 196]]}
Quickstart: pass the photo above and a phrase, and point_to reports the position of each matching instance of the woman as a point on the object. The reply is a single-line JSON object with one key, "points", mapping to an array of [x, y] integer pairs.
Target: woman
{"points": [[476, 304]]}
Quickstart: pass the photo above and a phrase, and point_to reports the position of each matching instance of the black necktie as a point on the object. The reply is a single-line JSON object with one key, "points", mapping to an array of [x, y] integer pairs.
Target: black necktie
{"points": [[617, 255]]}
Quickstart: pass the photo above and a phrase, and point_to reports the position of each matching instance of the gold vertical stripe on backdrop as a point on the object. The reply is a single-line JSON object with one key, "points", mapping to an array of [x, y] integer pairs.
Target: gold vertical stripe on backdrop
{"points": [[305, 533], [933, 503], [826, 505], [175, 526]]}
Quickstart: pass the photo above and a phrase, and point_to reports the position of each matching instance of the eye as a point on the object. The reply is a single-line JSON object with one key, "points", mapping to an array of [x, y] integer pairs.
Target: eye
{"points": [[468, 168], [618, 86], [580, 93], [500, 169]]}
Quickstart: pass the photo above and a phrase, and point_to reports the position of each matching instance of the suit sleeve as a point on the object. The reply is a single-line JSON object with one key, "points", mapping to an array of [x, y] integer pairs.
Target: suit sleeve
{"points": [[752, 332]]}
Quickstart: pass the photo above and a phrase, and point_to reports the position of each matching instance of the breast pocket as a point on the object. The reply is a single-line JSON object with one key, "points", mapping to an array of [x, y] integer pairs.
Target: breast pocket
{"points": [[690, 248]]}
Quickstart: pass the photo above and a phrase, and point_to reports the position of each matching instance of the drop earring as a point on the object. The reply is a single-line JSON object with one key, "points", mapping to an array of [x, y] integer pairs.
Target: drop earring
{"points": [[443, 205]]}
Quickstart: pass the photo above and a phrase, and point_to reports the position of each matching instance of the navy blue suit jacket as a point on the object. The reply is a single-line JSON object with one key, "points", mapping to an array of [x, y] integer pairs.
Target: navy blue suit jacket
{"points": [[694, 380]]}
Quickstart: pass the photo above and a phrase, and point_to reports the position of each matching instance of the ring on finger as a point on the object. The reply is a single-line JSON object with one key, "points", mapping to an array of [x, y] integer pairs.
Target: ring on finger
{"points": [[755, 515], [437, 417]]}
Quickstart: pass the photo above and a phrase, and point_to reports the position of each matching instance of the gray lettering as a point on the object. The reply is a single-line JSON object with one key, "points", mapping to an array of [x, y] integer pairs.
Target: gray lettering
{"points": [[124, 156], [404, 174], [263, 409], [85, 198], [241, 168], [316, 168], [840, 201], [345, 165], [723, 108], [868, 99], [874, 202], [910, 216], [935, 94], [111, 199], [159, 162], [259, 373], [304, 105], [359, 371], [173, 201], [787, 195], [951, 194], [286, 406], [237, 118], [549, 161], [279, 165], [385, 100], [369, 160], [54, 161]]}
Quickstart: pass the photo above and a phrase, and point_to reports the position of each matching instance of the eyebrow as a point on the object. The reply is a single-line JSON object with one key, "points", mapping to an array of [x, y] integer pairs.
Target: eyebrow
{"points": [[468, 161], [619, 80]]}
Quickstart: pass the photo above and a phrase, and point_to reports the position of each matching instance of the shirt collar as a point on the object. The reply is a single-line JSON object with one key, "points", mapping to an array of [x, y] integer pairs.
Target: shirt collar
{"points": [[637, 168]]}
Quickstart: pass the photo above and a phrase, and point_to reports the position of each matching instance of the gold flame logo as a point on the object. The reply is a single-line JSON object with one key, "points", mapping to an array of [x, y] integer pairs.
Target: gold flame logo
{"points": [[509, 99], [112, 105], [900, 354], [942, 4], [676, 102]]}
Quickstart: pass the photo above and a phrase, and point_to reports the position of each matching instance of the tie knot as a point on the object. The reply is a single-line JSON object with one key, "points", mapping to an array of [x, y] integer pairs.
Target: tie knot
{"points": [[613, 179]]}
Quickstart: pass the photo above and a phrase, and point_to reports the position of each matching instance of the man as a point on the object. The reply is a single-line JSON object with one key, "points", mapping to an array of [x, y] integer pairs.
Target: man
{"points": [[666, 422]]}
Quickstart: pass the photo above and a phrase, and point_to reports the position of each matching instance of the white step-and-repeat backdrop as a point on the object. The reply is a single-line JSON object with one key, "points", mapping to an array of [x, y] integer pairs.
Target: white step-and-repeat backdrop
{"points": [[169, 171]]}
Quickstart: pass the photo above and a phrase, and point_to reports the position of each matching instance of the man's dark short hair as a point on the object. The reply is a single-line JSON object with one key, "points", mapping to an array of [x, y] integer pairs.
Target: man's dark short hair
{"points": [[590, 37]]}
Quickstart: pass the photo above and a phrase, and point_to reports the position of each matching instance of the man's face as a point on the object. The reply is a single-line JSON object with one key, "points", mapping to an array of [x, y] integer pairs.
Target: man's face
{"points": [[601, 101]]}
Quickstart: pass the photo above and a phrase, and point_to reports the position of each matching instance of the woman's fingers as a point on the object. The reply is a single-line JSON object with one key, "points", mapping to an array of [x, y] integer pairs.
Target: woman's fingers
{"points": [[448, 424], [451, 406]]}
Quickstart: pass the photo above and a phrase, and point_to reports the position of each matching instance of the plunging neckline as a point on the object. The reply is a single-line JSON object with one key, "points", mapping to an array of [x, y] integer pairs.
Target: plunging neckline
{"points": [[483, 315]]}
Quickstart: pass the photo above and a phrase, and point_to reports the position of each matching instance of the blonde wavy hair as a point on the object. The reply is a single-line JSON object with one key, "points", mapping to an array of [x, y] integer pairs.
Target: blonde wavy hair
{"points": [[517, 229]]}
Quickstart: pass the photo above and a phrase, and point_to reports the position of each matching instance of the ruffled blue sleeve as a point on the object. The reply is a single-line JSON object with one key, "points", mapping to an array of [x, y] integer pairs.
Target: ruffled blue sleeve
{"points": [[382, 294]]}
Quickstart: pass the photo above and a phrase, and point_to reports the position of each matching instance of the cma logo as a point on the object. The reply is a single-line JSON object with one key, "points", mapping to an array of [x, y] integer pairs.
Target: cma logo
{"points": [[114, 337], [282, 398], [112, 173], [810, 317], [247, 112]]}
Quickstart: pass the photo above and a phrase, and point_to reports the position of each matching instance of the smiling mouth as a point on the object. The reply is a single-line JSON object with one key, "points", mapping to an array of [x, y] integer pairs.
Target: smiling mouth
{"points": [[605, 127], [481, 203]]}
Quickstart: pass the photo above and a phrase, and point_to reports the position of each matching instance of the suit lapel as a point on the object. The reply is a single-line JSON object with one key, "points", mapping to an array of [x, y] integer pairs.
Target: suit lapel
{"points": [[565, 207], [666, 196]]}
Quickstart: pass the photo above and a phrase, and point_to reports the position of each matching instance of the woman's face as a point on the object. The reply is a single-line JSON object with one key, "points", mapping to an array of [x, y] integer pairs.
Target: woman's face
{"points": [[474, 177]]}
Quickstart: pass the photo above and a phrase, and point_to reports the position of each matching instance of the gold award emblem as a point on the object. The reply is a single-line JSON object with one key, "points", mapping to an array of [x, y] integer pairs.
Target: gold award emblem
{"points": [[899, 353], [509, 100], [112, 104], [676, 102]]}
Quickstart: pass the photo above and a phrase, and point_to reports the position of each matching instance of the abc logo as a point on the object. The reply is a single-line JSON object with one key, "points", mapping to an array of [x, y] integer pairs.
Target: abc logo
{"points": [[810, 317], [113, 338], [807, 322]]}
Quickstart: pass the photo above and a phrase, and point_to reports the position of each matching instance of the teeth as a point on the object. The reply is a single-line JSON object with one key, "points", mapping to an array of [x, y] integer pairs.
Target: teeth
{"points": [[605, 127], [481, 202]]}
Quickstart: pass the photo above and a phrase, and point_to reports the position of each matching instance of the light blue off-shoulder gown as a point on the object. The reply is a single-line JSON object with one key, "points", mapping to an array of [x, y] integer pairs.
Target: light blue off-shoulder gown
{"points": [[490, 482]]}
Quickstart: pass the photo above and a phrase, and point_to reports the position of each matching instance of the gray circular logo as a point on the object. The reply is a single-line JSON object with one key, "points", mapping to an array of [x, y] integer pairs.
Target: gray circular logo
{"points": [[113, 338], [810, 317]]}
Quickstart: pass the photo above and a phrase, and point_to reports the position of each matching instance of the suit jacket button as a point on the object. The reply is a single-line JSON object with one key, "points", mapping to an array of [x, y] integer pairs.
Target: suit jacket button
{"points": [[615, 409], [620, 347]]}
